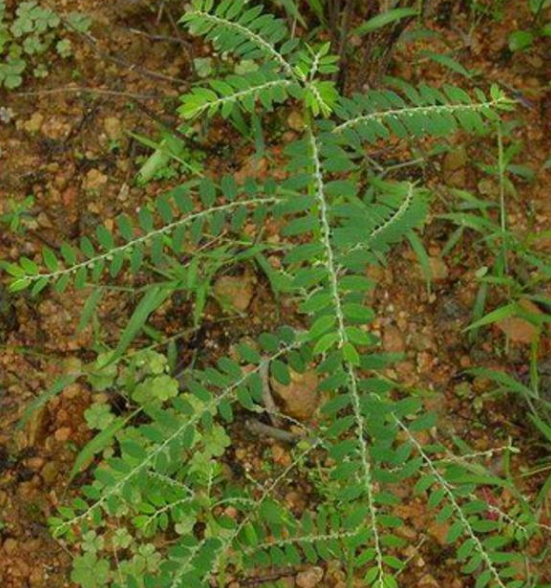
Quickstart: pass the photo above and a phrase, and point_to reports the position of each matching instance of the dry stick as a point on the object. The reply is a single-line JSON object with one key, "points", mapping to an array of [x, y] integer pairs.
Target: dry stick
{"points": [[333, 9], [395, 34], [77, 89], [160, 11], [259, 580], [267, 397], [166, 38], [164, 123], [188, 46], [262, 430], [133, 67], [347, 16], [367, 49]]}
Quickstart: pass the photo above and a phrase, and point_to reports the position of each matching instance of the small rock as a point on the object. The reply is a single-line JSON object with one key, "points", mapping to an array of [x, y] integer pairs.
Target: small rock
{"points": [[35, 463], [254, 167], [439, 270], [94, 180], [6, 114], [55, 128], [236, 292], [44, 221], [295, 500], [439, 531], [281, 456], [454, 167], [49, 472], [112, 126], [456, 159], [310, 578], [300, 398], [34, 124], [295, 121], [69, 196], [428, 581], [421, 341], [393, 341], [10, 545], [62, 434], [231, 512], [519, 330], [36, 429], [488, 187], [407, 532]]}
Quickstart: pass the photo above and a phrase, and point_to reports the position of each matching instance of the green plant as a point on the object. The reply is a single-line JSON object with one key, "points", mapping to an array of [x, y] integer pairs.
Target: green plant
{"points": [[523, 40], [30, 33], [493, 9], [517, 271], [165, 466], [170, 158], [17, 216]]}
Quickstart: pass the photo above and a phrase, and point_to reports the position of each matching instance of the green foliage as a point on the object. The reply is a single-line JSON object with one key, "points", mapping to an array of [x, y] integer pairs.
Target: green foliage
{"points": [[17, 216], [493, 9], [522, 40], [385, 18], [509, 249], [29, 34], [166, 470]]}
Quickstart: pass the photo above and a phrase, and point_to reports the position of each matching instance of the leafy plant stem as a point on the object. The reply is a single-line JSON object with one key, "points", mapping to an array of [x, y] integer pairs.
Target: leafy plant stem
{"points": [[343, 340]]}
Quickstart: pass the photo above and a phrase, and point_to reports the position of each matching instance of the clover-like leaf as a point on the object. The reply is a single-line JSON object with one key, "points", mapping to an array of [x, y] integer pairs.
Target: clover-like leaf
{"points": [[99, 416], [90, 572]]}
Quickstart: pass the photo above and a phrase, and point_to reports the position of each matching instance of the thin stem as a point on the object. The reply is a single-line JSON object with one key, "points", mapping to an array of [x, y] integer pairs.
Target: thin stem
{"points": [[345, 25], [448, 491], [343, 339], [247, 33], [144, 239], [404, 112], [210, 406], [502, 203]]}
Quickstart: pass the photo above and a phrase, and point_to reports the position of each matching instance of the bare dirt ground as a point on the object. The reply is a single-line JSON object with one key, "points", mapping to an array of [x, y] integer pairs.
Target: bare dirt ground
{"points": [[71, 149]]}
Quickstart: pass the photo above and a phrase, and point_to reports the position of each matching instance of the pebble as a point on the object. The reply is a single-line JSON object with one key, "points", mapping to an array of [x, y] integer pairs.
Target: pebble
{"points": [[35, 431], [35, 463], [428, 581], [393, 340], [235, 291], [439, 269], [439, 531], [49, 472], [454, 167], [94, 180], [231, 512], [281, 456], [310, 578], [113, 128], [296, 121], [519, 330], [34, 124], [62, 434], [10, 545], [300, 398]]}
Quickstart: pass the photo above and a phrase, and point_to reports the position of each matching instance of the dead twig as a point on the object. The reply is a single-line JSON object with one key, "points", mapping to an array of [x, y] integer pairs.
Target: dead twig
{"points": [[83, 90], [188, 46], [344, 30], [120, 61], [262, 430], [166, 38], [274, 577], [267, 398]]}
